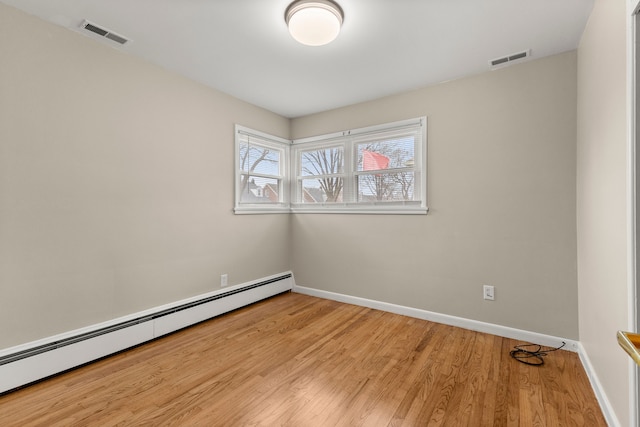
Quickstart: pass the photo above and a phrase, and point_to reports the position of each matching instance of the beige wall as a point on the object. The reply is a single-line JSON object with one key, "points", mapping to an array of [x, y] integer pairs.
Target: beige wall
{"points": [[116, 188], [601, 198], [501, 150]]}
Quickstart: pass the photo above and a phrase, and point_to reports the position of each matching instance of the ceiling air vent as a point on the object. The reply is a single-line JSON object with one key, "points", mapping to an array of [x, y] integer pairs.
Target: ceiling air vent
{"points": [[506, 60], [103, 32]]}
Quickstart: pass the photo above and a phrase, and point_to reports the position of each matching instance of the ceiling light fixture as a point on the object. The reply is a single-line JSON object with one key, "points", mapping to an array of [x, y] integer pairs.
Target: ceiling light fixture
{"points": [[314, 22]]}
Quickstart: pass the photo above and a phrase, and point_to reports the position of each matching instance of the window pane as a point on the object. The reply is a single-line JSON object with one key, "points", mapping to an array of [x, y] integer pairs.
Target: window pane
{"points": [[386, 153], [325, 161], [386, 187], [259, 159], [324, 190], [259, 190]]}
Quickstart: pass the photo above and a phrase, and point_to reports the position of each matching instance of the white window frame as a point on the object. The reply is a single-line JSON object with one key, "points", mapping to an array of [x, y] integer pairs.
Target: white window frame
{"points": [[290, 190], [349, 141], [262, 139]]}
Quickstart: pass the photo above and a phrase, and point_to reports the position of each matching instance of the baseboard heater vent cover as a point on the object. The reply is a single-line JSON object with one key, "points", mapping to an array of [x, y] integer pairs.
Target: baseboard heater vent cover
{"points": [[32, 363]]}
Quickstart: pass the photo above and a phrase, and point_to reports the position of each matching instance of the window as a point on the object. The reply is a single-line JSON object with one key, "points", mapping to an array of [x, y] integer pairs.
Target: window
{"points": [[321, 174], [379, 169], [261, 165]]}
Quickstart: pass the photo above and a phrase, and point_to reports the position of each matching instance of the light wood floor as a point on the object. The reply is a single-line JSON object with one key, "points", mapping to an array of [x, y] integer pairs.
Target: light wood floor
{"points": [[296, 360]]}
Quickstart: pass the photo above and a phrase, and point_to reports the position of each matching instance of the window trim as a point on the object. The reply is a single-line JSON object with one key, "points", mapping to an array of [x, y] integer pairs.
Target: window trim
{"points": [[348, 140]]}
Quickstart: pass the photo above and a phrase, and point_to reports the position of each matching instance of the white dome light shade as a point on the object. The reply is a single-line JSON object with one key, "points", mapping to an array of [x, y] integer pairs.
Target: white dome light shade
{"points": [[314, 22]]}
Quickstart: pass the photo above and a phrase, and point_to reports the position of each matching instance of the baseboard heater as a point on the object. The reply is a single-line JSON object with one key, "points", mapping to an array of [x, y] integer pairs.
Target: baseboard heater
{"points": [[25, 364]]}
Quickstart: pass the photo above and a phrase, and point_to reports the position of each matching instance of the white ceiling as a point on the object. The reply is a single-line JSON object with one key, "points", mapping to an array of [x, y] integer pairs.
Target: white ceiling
{"points": [[243, 48]]}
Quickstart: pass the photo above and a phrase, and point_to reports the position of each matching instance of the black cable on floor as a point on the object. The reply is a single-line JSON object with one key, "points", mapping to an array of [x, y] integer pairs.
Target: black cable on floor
{"points": [[523, 354]]}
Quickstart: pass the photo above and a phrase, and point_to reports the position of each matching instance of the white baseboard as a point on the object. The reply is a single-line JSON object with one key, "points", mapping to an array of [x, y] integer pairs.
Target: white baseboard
{"points": [[603, 400], [30, 362], [474, 325]]}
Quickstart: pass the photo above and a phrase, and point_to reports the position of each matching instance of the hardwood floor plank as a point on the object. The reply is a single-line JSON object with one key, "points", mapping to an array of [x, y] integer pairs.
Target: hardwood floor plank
{"points": [[295, 360]]}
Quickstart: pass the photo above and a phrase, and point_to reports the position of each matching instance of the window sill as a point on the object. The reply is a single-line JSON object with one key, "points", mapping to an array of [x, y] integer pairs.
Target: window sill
{"points": [[363, 211], [337, 209], [260, 210]]}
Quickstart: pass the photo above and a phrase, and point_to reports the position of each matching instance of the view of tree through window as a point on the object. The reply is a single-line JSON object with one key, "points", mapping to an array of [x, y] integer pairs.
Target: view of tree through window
{"points": [[322, 171]]}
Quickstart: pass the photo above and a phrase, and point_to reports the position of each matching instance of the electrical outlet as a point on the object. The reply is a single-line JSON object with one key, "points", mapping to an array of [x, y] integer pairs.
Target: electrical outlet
{"points": [[488, 292], [224, 279]]}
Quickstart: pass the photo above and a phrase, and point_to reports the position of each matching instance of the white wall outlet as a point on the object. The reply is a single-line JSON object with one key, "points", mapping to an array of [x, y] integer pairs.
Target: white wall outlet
{"points": [[224, 280], [488, 292]]}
